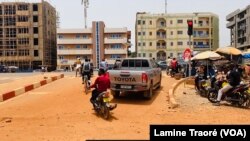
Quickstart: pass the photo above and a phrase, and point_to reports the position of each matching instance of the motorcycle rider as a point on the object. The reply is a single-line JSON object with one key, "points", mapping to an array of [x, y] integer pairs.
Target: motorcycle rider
{"points": [[234, 79], [102, 83], [86, 67]]}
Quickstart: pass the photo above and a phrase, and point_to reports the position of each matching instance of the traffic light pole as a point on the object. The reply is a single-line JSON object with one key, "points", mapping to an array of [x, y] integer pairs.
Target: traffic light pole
{"points": [[189, 62]]}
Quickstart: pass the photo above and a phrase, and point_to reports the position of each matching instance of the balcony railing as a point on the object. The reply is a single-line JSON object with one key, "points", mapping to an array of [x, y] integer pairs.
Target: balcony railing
{"points": [[201, 35], [74, 51], [115, 51], [201, 46], [161, 36], [74, 41], [115, 40], [230, 23], [161, 47], [65, 62]]}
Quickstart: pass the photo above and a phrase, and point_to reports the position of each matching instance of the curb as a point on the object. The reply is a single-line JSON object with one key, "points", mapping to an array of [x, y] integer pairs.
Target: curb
{"points": [[19, 91], [172, 100]]}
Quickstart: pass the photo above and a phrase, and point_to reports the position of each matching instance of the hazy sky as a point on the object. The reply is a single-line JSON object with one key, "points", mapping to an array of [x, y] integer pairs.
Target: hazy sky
{"points": [[122, 13]]}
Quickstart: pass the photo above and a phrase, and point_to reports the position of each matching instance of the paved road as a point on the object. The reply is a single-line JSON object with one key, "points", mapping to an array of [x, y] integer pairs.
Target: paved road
{"points": [[61, 111]]}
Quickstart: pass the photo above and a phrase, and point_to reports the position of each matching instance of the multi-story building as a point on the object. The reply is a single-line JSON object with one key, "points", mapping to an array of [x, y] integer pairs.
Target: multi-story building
{"points": [[239, 25], [94, 43], [28, 35], [162, 35]]}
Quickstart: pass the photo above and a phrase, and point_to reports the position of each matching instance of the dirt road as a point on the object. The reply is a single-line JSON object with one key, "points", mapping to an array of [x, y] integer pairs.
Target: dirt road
{"points": [[61, 111]]}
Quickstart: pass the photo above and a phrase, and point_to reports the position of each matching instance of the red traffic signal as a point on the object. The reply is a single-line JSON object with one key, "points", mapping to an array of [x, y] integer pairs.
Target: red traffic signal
{"points": [[190, 27], [190, 23]]}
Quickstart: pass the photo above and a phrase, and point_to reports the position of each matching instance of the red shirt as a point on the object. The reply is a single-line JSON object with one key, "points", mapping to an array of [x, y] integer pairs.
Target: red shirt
{"points": [[102, 83]]}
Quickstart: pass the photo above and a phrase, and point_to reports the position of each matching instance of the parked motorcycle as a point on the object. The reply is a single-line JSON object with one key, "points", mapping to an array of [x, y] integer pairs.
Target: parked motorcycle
{"points": [[238, 96], [102, 105], [204, 85]]}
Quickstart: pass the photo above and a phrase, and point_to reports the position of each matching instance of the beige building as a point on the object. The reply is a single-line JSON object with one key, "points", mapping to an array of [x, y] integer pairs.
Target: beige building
{"points": [[163, 35], [28, 35], [239, 25], [94, 43]]}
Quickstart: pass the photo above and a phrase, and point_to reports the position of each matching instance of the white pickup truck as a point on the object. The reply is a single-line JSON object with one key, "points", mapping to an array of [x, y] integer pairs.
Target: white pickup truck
{"points": [[135, 75]]}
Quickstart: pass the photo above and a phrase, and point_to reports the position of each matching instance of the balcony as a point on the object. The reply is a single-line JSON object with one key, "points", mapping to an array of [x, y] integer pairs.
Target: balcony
{"points": [[202, 25], [23, 24], [23, 13], [230, 24], [201, 46], [161, 47], [65, 62], [161, 37], [115, 40], [15, 58], [74, 51], [201, 35], [115, 51], [74, 41]]}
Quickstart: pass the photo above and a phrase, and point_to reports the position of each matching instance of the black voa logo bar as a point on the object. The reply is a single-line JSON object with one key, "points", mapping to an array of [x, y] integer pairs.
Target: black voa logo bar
{"points": [[200, 132]]}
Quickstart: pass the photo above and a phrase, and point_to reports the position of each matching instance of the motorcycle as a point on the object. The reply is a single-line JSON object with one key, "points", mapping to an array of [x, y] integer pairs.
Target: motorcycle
{"points": [[203, 85], [238, 96], [102, 105]]}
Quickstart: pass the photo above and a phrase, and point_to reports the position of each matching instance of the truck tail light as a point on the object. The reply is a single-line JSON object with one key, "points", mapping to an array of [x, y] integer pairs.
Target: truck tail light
{"points": [[144, 78]]}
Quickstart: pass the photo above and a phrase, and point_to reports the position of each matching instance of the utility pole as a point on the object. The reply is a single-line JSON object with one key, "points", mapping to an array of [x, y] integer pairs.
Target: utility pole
{"points": [[86, 5], [166, 3]]}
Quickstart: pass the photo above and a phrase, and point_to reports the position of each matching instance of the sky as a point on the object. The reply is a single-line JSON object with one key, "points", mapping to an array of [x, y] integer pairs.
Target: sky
{"points": [[122, 13]]}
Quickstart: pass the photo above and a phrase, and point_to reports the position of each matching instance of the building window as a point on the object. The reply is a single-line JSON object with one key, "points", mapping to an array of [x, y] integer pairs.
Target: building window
{"points": [[144, 54], [85, 46], [35, 18], [35, 7], [139, 44], [139, 33], [116, 46], [23, 19], [179, 21], [188, 43], [150, 22], [115, 36], [171, 55], [115, 56], [139, 55], [35, 30], [36, 53], [150, 54], [60, 36], [85, 36], [61, 47], [78, 36], [143, 33], [35, 41], [150, 43], [139, 22], [61, 57], [143, 44], [171, 44], [23, 7], [150, 33], [179, 32], [179, 43], [171, 22], [143, 22], [78, 46]]}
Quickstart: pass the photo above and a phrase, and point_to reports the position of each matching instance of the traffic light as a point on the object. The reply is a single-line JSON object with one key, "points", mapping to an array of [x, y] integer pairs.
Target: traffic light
{"points": [[190, 27]]}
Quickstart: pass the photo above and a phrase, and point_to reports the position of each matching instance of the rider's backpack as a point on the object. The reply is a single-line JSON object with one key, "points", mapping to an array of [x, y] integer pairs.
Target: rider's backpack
{"points": [[86, 67]]}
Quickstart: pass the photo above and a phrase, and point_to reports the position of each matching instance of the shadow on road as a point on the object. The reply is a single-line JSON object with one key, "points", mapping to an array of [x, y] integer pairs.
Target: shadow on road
{"points": [[136, 98]]}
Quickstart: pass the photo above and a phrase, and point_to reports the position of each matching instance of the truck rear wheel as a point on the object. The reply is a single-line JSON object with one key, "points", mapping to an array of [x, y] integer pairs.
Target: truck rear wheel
{"points": [[149, 93], [116, 94]]}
